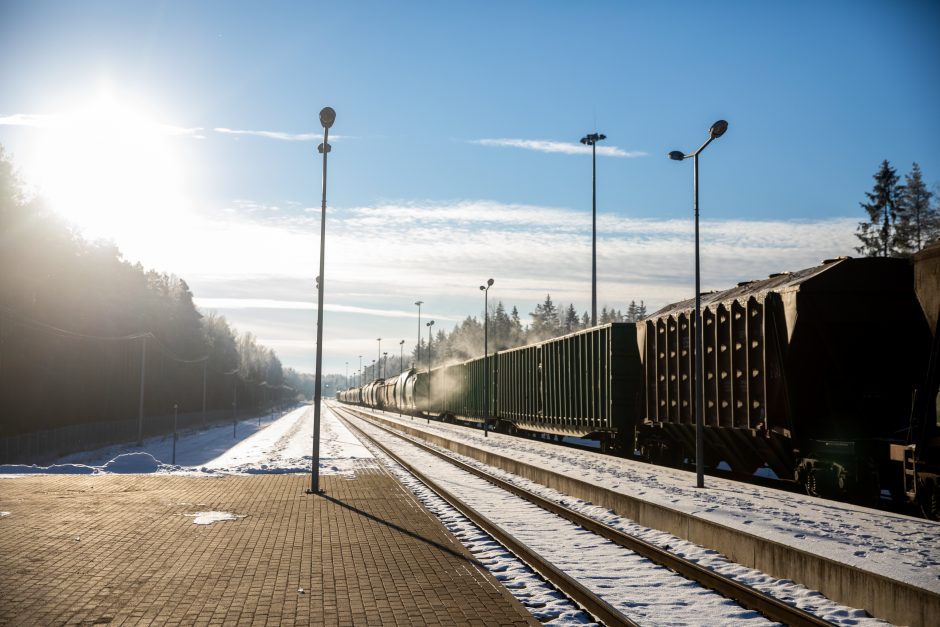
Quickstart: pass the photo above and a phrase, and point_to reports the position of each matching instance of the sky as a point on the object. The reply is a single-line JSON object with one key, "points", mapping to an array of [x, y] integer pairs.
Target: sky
{"points": [[187, 133]]}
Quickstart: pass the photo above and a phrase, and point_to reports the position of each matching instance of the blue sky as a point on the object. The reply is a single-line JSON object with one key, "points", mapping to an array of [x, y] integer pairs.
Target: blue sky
{"points": [[455, 157]]}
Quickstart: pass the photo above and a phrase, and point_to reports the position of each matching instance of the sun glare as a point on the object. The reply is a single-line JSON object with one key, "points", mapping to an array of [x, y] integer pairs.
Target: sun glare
{"points": [[111, 170]]}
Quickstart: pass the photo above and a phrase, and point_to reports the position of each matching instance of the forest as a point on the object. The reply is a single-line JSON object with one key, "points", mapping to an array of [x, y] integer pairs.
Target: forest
{"points": [[79, 326]]}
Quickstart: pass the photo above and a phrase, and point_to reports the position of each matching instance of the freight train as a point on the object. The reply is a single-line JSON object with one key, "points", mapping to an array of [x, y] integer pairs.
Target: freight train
{"points": [[828, 376]]}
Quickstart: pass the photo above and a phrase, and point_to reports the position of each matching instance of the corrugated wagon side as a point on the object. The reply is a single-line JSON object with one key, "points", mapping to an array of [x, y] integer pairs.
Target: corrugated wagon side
{"points": [[585, 384], [810, 372]]}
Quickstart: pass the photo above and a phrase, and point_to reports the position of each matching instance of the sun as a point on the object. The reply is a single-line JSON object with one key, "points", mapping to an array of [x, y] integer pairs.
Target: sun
{"points": [[110, 169]]}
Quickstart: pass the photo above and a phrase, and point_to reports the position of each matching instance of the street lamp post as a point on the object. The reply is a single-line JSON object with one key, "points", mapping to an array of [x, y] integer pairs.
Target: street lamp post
{"points": [[418, 345], [401, 369], [347, 375], [327, 117], [591, 140], [384, 366], [429, 325], [378, 357], [717, 130], [486, 365], [360, 370]]}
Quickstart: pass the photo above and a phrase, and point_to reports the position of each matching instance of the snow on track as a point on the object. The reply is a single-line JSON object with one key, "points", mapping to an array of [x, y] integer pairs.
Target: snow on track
{"points": [[894, 545]]}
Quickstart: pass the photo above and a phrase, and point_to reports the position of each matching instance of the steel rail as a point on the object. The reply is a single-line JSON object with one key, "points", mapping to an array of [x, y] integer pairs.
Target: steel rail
{"points": [[747, 597], [590, 602]]}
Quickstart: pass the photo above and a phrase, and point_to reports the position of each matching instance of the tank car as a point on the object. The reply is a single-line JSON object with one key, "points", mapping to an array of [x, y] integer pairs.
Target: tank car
{"points": [[810, 372]]}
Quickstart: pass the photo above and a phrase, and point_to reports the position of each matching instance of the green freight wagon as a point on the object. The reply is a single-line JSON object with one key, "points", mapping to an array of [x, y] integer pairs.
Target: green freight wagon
{"points": [[586, 384]]}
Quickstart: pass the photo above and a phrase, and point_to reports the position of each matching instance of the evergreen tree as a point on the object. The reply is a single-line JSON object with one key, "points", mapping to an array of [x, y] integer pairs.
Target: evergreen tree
{"points": [[545, 321], [518, 333], [918, 221], [571, 319], [876, 235], [631, 311]]}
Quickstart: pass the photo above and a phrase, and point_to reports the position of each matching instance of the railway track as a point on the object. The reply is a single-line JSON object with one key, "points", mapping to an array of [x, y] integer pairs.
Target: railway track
{"points": [[743, 595]]}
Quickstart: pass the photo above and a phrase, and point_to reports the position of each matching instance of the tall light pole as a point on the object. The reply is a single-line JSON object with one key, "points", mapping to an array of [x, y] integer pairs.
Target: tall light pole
{"points": [[591, 140], [378, 357], [418, 345], [429, 325], [360, 370], [717, 130], [327, 117], [486, 365], [401, 369], [347, 375], [384, 367]]}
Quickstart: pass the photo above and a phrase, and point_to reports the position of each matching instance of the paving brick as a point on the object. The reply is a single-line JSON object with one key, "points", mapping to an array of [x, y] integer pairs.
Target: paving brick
{"points": [[121, 548]]}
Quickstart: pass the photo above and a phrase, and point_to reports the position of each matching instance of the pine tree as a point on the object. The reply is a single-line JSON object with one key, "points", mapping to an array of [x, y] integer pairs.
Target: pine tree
{"points": [[545, 321], [918, 221], [876, 234], [518, 334], [571, 319], [585, 320]]}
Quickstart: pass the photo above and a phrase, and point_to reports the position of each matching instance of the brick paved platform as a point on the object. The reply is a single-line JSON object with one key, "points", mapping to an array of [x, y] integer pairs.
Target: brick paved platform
{"points": [[120, 549]]}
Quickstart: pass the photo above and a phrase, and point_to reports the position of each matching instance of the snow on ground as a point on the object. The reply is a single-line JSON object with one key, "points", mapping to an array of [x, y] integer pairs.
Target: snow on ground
{"points": [[271, 444], [897, 546]]}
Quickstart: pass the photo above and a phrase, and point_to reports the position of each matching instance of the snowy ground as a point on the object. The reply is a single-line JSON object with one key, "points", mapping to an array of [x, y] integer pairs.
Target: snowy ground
{"points": [[897, 546], [271, 444]]}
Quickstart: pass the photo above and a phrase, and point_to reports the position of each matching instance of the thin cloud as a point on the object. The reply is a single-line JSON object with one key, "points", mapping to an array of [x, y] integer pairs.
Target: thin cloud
{"points": [[545, 145], [267, 303], [287, 137], [35, 120], [26, 119]]}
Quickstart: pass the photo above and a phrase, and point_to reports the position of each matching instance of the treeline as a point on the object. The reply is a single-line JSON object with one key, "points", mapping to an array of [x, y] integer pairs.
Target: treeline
{"points": [[79, 325], [505, 330], [901, 217]]}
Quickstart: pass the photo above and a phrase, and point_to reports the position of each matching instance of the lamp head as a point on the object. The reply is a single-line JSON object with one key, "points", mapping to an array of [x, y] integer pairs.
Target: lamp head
{"points": [[718, 129], [327, 117], [677, 155], [482, 287], [419, 302], [489, 282]]}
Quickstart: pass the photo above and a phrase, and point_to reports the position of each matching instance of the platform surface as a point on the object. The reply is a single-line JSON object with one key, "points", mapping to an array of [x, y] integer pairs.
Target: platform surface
{"points": [[124, 549]]}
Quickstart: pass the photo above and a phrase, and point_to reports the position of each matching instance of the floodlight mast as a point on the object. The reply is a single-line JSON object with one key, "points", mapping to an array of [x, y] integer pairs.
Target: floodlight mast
{"points": [[591, 140], [717, 130], [327, 117]]}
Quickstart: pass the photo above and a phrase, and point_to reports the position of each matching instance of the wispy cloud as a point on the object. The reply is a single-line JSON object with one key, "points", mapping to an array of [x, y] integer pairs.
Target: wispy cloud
{"points": [[55, 121], [375, 254], [266, 303], [26, 119], [380, 259], [545, 145], [287, 137]]}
